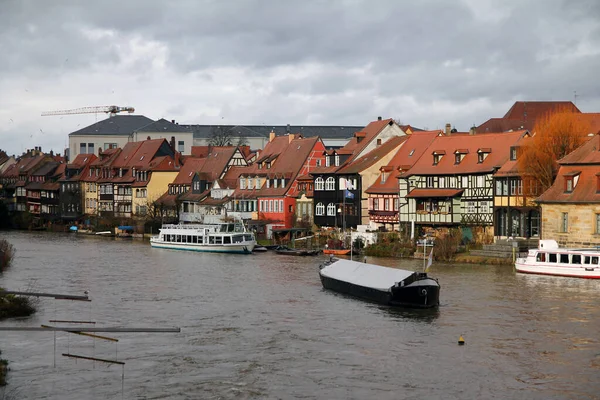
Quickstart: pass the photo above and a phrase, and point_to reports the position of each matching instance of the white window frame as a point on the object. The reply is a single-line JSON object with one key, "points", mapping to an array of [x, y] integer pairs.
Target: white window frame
{"points": [[330, 183], [331, 210], [320, 209], [319, 184]]}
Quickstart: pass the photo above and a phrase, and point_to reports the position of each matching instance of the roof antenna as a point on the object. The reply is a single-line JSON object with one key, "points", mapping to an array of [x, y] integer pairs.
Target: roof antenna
{"points": [[575, 97]]}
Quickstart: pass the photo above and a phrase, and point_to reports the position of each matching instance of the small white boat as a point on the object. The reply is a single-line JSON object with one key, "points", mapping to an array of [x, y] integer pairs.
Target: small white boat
{"points": [[214, 238], [104, 233], [550, 259]]}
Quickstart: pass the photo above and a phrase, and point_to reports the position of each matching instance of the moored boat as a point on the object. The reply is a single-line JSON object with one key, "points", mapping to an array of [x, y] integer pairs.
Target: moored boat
{"points": [[384, 285], [260, 249], [295, 252], [337, 252], [550, 259], [215, 238]]}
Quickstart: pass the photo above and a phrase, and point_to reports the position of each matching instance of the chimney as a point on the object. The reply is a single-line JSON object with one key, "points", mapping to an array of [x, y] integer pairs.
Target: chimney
{"points": [[99, 150], [291, 137], [272, 136], [148, 138], [448, 129], [172, 121], [472, 130], [287, 128], [51, 153], [172, 144], [379, 118]]}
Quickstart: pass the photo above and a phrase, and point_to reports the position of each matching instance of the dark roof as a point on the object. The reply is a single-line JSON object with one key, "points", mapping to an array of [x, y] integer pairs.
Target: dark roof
{"points": [[324, 131], [46, 169], [117, 125], [524, 114], [162, 125]]}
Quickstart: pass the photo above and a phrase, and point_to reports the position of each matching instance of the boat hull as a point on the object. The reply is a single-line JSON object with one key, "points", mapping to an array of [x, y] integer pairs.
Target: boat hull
{"points": [[419, 294], [243, 248], [335, 252], [570, 272]]}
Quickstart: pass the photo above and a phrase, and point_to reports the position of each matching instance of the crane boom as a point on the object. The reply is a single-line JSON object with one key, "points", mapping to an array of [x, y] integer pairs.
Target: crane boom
{"points": [[112, 110]]}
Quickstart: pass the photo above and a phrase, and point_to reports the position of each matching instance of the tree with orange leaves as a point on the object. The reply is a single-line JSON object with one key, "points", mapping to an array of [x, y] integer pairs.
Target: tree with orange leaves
{"points": [[554, 136]]}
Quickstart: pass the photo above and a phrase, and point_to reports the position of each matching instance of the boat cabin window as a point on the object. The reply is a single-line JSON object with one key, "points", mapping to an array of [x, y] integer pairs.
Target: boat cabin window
{"points": [[227, 240], [248, 238], [194, 239], [564, 258], [575, 258], [552, 257], [590, 260], [238, 238], [218, 239], [178, 238], [211, 240], [189, 239], [541, 257]]}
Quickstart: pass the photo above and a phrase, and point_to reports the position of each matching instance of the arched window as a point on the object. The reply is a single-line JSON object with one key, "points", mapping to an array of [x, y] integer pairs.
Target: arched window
{"points": [[319, 185], [330, 183], [320, 208], [331, 209]]}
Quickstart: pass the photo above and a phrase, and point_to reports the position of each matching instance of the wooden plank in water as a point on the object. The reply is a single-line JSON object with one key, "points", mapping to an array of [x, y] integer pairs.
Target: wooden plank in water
{"points": [[87, 334], [93, 359]]}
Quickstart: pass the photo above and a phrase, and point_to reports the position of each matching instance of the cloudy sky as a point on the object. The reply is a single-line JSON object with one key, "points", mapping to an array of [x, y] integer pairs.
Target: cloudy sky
{"points": [[300, 62]]}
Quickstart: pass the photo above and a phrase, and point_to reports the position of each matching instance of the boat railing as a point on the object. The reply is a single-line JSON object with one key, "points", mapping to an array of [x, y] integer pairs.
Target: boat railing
{"points": [[186, 226]]}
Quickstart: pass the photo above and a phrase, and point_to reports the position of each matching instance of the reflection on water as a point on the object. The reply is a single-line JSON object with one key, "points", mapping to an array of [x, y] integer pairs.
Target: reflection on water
{"points": [[262, 326]]}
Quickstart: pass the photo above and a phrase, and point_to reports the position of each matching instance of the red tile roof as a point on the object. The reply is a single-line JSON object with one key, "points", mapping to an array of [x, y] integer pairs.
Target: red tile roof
{"points": [[498, 145], [354, 147], [587, 153], [187, 171], [373, 156], [584, 192], [412, 149]]}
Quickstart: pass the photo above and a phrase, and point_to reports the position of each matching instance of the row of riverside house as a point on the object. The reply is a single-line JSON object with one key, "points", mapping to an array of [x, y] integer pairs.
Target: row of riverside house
{"points": [[386, 176]]}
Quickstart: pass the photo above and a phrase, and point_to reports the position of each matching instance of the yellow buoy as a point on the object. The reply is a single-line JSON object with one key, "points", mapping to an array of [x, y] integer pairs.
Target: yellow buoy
{"points": [[461, 341]]}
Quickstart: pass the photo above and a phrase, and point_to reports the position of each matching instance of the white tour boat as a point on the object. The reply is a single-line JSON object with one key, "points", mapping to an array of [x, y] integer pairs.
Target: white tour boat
{"points": [[216, 238], [549, 259]]}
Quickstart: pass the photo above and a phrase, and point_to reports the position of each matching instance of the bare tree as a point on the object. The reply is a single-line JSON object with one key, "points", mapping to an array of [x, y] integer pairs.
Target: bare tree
{"points": [[220, 136]]}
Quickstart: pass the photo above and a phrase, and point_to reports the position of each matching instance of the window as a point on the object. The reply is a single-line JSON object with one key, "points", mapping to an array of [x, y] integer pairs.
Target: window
{"points": [[268, 183], [429, 182], [242, 183], [82, 149], [568, 184], [276, 206], [436, 159], [376, 204], [383, 177], [442, 182], [396, 204], [457, 158], [541, 257], [484, 207], [327, 162], [565, 222], [386, 204], [180, 146], [481, 157], [597, 224], [498, 187], [337, 160], [575, 258], [378, 142], [552, 257], [331, 209], [319, 184], [90, 148], [465, 181], [513, 153], [513, 187], [282, 182], [280, 205], [564, 258], [257, 183], [330, 183], [249, 183], [320, 209], [270, 206], [471, 207]]}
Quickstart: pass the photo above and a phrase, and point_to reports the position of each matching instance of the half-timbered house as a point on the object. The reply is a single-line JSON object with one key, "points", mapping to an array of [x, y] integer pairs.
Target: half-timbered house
{"points": [[452, 183], [383, 194]]}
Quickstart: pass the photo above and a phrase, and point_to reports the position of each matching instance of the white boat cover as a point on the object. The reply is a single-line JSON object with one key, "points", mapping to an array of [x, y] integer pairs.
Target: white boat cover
{"points": [[363, 274]]}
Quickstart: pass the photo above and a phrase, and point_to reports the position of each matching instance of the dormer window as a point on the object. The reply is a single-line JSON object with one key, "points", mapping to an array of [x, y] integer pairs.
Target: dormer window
{"points": [[383, 177], [437, 156], [259, 165], [337, 160], [327, 161], [411, 153], [482, 154], [513, 153], [268, 165], [250, 186], [275, 183], [571, 180], [268, 183]]}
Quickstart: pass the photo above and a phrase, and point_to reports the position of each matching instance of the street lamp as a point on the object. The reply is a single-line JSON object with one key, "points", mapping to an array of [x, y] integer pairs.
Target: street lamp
{"points": [[339, 211]]}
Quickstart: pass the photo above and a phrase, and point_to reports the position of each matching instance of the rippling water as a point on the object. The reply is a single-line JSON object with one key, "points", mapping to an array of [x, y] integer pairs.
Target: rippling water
{"points": [[261, 326]]}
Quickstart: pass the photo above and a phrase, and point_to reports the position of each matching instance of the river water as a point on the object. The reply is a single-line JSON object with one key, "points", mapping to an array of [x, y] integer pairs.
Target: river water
{"points": [[261, 326]]}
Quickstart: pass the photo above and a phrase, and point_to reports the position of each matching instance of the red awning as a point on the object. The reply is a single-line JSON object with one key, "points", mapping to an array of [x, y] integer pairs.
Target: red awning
{"points": [[429, 193]]}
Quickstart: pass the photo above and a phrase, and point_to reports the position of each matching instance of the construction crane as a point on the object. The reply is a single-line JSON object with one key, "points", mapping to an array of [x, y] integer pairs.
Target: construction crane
{"points": [[111, 110]]}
